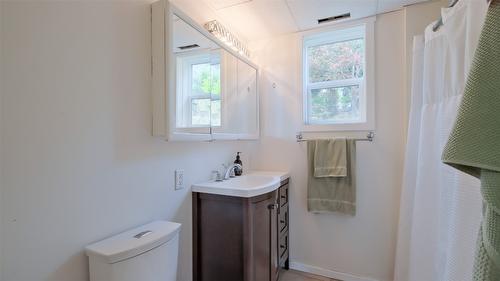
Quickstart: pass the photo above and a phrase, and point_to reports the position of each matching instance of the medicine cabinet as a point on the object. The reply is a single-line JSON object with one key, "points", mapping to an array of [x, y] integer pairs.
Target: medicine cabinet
{"points": [[202, 89]]}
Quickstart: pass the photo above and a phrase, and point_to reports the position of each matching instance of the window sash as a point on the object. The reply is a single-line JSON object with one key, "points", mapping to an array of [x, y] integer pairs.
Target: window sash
{"points": [[334, 84], [205, 96], [190, 105], [197, 96], [333, 37]]}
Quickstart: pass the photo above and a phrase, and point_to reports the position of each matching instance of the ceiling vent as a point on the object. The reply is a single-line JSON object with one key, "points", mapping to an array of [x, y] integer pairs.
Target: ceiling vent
{"points": [[187, 47], [334, 18]]}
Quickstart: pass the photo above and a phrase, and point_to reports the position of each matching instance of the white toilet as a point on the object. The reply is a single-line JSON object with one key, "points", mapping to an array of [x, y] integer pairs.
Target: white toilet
{"points": [[146, 253]]}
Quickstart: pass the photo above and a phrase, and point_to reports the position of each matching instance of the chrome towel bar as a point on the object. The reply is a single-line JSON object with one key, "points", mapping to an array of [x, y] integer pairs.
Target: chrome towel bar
{"points": [[369, 137]]}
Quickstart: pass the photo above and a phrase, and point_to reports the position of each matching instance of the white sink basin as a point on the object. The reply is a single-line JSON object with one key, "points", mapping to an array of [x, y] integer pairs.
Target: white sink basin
{"points": [[248, 185]]}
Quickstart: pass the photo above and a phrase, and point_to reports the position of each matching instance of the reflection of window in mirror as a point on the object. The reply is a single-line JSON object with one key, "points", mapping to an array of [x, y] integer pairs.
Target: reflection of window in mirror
{"points": [[201, 89], [198, 89]]}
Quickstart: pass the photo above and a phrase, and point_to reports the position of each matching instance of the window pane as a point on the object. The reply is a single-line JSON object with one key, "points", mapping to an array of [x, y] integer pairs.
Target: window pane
{"points": [[336, 61], [335, 105], [215, 113], [215, 85], [205, 79], [200, 112], [205, 111], [200, 80]]}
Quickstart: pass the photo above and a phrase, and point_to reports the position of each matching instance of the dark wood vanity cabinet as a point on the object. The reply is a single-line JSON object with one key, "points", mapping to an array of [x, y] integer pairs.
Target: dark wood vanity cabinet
{"points": [[236, 238]]}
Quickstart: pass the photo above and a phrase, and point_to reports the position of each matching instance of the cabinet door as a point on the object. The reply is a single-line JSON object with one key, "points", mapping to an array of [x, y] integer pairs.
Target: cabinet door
{"points": [[264, 239]]}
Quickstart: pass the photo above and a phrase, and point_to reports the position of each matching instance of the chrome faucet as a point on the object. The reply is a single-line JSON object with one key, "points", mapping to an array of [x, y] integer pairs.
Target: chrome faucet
{"points": [[230, 170]]}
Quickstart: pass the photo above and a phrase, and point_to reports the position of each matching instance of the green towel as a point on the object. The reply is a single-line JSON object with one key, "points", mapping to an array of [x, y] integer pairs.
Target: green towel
{"points": [[332, 194], [474, 143], [330, 158]]}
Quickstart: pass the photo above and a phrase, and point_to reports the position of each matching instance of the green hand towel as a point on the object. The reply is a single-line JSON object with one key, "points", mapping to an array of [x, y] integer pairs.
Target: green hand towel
{"points": [[474, 144], [332, 194], [330, 158]]}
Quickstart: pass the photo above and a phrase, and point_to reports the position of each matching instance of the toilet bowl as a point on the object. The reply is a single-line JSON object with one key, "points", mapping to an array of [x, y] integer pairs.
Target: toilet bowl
{"points": [[146, 253]]}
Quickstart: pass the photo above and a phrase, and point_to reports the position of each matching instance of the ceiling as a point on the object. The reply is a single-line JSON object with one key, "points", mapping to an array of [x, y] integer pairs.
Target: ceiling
{"points": [[254, 20]]}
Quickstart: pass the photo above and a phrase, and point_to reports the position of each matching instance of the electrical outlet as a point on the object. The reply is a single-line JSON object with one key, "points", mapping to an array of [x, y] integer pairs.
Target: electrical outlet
{"points": [[179, 179]]}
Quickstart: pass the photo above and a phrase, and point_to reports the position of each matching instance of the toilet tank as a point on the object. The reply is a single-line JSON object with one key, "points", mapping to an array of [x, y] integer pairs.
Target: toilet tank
{"points": [[146, 253]]}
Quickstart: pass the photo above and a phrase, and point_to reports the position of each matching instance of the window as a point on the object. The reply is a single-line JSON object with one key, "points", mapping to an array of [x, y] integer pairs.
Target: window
{"points": [[338, 89], [204, 101], [199, 102]]}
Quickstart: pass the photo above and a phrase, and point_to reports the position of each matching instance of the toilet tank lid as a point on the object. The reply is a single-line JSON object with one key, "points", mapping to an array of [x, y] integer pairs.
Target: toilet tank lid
{"points": [[133, 242]]}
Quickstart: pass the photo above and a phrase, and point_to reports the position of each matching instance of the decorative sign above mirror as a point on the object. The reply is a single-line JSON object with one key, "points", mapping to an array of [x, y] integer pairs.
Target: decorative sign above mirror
{"points": [[202, 89]]}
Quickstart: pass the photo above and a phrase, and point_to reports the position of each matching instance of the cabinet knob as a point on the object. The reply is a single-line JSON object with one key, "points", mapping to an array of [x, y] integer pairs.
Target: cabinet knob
{"points": [[282, 246], [272, 206], [282, 221], [283, 196]]}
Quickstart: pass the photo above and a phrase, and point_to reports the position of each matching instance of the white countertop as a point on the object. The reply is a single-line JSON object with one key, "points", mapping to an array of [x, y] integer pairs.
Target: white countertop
{"points": [[250, 184]]}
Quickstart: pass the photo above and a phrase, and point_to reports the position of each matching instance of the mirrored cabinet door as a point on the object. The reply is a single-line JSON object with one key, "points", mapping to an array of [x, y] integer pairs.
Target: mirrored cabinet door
{"points": [[210, 92], [239, 99], [197, 78], [248, 99]]}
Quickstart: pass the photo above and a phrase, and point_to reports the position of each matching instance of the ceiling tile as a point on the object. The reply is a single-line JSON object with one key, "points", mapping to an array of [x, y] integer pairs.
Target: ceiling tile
{"points": [[385, 6], [388, 5], [307, 12], [253, 20], [197, 10], [221, 4], [258, 19]]}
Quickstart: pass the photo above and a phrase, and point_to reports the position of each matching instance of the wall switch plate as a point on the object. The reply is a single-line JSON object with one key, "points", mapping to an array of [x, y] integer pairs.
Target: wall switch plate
{"points": [[179, 179]]}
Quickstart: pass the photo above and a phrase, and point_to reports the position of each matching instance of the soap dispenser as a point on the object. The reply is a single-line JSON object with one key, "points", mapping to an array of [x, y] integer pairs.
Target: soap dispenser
{"points": [[238, 171]]}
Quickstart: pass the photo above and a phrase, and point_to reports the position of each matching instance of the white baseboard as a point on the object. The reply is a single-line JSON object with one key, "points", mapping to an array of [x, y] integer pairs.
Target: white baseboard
{"points": [[327, 273]]}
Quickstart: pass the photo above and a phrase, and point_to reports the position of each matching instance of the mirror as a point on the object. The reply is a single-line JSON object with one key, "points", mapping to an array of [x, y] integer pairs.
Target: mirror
{"points": [[215, 93], [239, 98]]}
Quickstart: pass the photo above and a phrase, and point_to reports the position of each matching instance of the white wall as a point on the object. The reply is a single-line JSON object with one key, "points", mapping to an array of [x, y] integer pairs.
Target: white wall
{"points": [[79, 162], [364, 245]]}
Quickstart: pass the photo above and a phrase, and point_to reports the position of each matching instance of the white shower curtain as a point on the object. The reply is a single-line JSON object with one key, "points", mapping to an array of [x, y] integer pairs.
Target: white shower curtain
{"points": [[440, 207]]}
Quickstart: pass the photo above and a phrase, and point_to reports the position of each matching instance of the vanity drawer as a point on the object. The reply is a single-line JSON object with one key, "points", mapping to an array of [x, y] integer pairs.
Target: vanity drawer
{"points": [[284, 195], [283, 219]]}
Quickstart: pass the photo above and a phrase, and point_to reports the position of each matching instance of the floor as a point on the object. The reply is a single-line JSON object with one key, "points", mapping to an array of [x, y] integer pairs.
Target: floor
{"points": [[293, 275]]}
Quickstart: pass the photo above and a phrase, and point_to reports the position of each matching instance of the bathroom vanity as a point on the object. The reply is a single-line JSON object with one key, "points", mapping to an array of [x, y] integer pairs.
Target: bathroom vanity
{"points": [[240, 228]]}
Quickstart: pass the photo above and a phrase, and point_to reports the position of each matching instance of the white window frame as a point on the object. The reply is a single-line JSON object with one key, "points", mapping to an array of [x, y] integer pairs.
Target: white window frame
{"points": [[333, 34]]}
